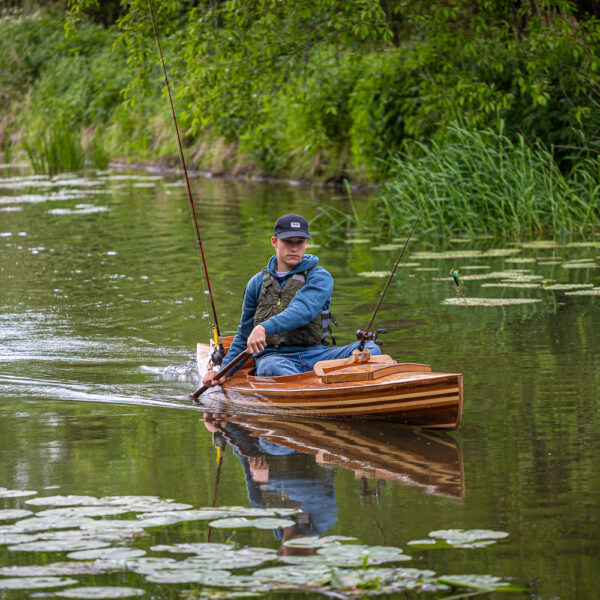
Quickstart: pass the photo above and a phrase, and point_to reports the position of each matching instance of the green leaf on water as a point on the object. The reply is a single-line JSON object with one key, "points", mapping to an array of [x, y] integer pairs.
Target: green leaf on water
{"points": [[101, 592], [10, 514], [590, 292], [244, 523], [318, 542], [107, 554], [480, 582], [355, 555], [58, 546], [511, 284], [293, 575], [488, 301], [63, 501], [374, 274], [567, 286], [31, 583], [6, 493]]}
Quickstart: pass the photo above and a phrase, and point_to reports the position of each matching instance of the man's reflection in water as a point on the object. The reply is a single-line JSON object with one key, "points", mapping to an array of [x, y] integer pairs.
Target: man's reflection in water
{"points": [[279, 477]]}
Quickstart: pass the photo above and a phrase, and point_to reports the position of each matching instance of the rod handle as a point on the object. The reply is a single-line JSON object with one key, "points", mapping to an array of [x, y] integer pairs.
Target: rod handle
{"points": [[237, 361]]}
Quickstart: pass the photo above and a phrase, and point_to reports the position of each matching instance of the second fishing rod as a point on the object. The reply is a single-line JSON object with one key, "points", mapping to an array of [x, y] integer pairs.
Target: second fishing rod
{"points": [[219, 352], [366, 335]]}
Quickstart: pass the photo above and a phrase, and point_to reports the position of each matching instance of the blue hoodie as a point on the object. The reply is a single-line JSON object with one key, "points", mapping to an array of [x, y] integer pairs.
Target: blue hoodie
{"points": [[313, 297]]}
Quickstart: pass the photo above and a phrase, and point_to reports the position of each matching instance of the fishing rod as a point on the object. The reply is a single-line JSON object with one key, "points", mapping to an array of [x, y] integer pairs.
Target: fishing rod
{"points": [[219, 352], [366, 335]]}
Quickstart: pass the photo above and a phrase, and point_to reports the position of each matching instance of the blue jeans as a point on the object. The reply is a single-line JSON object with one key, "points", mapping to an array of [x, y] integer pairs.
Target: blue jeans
{"points": [[283, 363]]}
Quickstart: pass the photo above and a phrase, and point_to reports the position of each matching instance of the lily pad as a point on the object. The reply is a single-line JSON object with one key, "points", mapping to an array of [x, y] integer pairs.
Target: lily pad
{"points": [[149, 564], [114, 525], [580, 265], [385, 580], [567, 286], [590, 292], [385, 247], [480, 582], [47, 523], [452, 254], [510, 284], [492, 275], [175, 575], [244, 511], [583, 245], [374, 273], [98, 592], [83, 511], [58, 545], [14, 513], [541, 244], [489, 301], [62, 500], [244, 523], [199, 548], [462, 536], [293, 575], [107, 554], [317, 542], [32, 583], [7, 539], [356, 555], [166, 518], [6, 493], [59, 568], [521, 260]]}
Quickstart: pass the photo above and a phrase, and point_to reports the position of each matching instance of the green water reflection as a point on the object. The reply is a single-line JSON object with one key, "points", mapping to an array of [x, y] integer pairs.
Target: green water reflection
{"points": [[100, 311]]}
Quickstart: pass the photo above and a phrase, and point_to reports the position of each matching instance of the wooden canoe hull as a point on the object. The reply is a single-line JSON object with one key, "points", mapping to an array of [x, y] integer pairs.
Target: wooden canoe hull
{"points": [[421, 399]]}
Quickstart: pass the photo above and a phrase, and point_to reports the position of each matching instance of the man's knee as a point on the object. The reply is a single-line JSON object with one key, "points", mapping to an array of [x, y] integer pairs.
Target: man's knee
{"points": [[374, 349], [274, 365]]}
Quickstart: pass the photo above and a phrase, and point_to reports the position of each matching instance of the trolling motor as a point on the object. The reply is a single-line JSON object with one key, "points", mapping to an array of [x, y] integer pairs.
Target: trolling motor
{"points": [[364, 336]]}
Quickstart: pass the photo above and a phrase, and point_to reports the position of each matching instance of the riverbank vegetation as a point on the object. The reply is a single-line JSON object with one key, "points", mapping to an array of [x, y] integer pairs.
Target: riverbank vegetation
{"points": [[497, 103]]}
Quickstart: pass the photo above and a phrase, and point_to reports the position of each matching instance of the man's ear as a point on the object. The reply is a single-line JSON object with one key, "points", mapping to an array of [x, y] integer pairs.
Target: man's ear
{"points": [[274, 241]]}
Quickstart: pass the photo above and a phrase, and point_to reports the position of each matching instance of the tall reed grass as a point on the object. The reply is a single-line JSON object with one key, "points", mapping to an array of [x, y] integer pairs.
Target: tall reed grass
{"points": [[487, 183], [59, 148]]}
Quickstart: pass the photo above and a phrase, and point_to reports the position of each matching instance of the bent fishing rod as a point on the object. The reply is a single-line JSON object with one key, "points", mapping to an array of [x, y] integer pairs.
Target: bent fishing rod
{"points": [[366, 335], [219, 352]]}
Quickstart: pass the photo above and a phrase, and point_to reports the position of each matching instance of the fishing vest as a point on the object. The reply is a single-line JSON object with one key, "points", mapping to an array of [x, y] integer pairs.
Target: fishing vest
{"points": [[274, 300]]}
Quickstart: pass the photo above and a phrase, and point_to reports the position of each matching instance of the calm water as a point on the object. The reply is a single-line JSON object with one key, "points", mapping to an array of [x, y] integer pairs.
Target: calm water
{"points": [[102, 302]]}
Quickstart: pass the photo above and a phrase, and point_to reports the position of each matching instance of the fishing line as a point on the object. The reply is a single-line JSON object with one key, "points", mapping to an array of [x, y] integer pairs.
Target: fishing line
{"points": [[216, 331], [365, 335]]}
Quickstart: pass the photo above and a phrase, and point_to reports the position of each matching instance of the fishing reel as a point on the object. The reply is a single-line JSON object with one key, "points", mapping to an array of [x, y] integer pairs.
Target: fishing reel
{"points": [[365, 335], [216, 357]]}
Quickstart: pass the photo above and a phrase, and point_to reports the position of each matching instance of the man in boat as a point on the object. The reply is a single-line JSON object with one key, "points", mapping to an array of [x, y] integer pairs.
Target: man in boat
{"points": [[285, 314]]}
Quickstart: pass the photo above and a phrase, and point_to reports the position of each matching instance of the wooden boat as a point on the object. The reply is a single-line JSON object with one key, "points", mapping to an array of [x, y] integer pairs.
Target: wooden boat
{"points": [[361, 387], [429, 460]]}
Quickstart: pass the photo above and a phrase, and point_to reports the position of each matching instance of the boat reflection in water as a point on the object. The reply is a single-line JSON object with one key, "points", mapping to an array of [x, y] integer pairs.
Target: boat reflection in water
{"points": [[287, 462]]}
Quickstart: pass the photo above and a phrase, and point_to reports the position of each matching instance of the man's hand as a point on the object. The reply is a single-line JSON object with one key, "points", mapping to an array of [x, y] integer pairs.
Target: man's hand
{"points": [[210, 379], [257, 340]]}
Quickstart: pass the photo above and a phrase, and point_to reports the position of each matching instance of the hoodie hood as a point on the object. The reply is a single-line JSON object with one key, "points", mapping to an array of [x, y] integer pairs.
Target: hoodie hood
{"points": [[308, 262]]}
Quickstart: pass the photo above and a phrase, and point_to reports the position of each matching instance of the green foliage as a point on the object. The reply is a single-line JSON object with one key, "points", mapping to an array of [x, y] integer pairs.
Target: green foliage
{"points": [[56, 149], [484, 182], [331, 89]]}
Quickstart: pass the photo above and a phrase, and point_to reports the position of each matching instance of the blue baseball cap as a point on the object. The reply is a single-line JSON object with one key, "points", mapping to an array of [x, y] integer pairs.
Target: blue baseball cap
{"points": [[291, 226]]}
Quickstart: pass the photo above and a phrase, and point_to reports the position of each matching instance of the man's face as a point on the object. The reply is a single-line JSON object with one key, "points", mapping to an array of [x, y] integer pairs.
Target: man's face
{"points": [[290, 251]]}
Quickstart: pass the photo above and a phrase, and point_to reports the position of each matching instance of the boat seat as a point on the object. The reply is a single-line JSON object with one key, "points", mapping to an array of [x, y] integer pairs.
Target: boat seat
{"points": [[376, 367]]}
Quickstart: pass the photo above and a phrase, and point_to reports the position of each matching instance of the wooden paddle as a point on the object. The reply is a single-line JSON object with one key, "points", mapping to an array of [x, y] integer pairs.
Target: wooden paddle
{"points": [[239, 360]]}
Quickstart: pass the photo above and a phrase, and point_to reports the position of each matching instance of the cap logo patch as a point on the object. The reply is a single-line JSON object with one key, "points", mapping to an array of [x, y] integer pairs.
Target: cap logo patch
{"points": [[295, 224]]}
